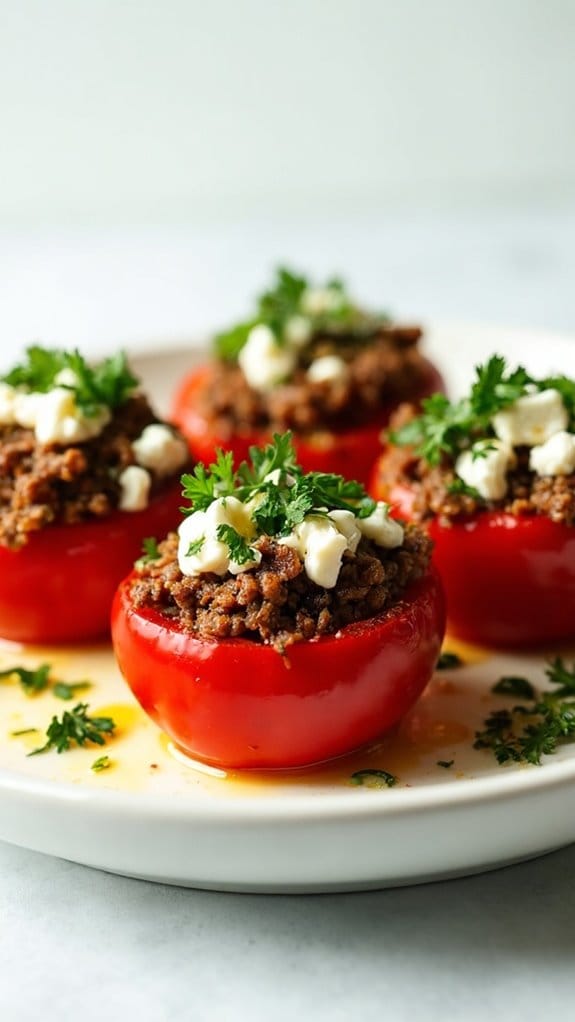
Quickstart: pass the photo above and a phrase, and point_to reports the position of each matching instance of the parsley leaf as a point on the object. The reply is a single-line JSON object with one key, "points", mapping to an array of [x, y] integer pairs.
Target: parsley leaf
{"points": [[107, 383], [65, 690], [203, 486], [526, 733], [75, 727], [447, 661], [195, 546], [373, 779], [150, 552], [240, 551], [445, 763], [31, 681], [512, 686], [102, 763]]}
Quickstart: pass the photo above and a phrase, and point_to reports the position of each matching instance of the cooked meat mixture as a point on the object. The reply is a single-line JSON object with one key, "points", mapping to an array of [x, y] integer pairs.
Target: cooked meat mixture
{"points": [[42, 485], [384, 368], [527, 493], [277, 603]]}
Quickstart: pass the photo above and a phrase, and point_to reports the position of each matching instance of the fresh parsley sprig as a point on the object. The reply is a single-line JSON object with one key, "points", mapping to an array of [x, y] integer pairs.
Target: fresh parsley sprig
{"points": [[32, 681], [528, 731], [280, 494], [445, 428], [75, 727], [107, 383]]}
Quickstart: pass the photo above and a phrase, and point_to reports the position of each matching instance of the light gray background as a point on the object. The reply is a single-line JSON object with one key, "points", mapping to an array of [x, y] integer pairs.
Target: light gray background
{"points": [[156, 158]]}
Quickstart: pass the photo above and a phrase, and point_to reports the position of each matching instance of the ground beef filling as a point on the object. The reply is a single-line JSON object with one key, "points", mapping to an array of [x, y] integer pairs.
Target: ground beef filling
{"points": [[277, 603], [527, 493], [382, 368], [44, 485]]}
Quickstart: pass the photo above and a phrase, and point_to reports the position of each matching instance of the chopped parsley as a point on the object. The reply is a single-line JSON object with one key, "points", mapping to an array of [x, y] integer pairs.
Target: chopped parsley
{"points": [[24, 731], [281, 495], [108, 383], [32, 681], [445, 428], [196, 546], [102, 763], [528, 731], [286, 299], [445, 763], [373, 779], [447, 661], [75, 727], [150, 552], [64, 690]]}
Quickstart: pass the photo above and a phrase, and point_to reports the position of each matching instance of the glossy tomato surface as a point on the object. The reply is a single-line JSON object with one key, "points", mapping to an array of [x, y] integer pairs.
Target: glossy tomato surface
{"points": [[236, 703], [509, 580], [351, 453], [59, 586]]}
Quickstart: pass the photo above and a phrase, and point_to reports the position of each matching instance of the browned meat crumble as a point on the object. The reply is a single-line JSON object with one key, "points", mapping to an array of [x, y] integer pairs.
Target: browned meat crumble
{"points": [[383, 368], [53, 484], [527, 494], [277, 603]]}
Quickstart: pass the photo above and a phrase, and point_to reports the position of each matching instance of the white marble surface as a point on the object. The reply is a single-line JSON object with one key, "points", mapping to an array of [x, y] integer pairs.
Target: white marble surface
{"points": [[77, 943]]}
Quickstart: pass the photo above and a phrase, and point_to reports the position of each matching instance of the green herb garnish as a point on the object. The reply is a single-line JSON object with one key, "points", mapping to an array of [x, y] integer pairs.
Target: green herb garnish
{"points": [[445, 763], [447, 661], [373, 779], [75, 727], [527, 732], [102, 763], [286, 299], [150, 552], [196, 546], [64, 690], [107, 383], [31, 681], [24, 731], [445, 428], [509, 685], [281, 495]]}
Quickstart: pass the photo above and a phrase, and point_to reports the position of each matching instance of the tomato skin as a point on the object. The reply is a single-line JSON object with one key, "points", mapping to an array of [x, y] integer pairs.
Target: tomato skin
{"points": [[234, 703], [59, 586], [508, 580], [351, 453]]}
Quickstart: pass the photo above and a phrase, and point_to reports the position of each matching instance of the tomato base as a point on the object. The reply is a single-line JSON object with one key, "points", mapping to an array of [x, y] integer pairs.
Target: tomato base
{"points": [[238, 704]]}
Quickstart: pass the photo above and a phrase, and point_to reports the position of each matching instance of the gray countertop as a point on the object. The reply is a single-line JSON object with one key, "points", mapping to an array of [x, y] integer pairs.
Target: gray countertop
{"points": [[75, 942]]}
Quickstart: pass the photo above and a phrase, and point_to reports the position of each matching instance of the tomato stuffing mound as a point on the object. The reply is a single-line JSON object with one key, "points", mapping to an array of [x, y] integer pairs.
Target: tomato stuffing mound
{"points": [[492, 480], [87, 473], [289, 621], [309, 360]]}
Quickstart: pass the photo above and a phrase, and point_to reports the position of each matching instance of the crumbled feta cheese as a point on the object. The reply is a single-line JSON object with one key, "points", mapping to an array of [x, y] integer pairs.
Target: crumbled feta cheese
{"points": [[488, 473], [298, 331], [327, 369], [317, 301], [347, 523], [135, 485], [160, 449], [7, 402], [532, 419], [380, 528], [56, 418], [556, 457], [214, 555], [263, 360], [321, 546]]}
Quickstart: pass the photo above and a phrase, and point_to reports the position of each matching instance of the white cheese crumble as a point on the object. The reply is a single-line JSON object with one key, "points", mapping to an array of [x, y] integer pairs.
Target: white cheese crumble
{"points": [[327, 369], [56, 418], [214, 555], [321, 546], [380, 528], [265, 362], [317, 301], [556, 457], [135, 485], [298, 331], [532, 419], [487, 474], [7, 402], [159, 449]]}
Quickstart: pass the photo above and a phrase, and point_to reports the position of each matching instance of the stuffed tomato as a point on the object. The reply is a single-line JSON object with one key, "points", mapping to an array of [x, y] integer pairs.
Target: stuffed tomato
{"points": [[289, 621], [492, 479], [87, 473], [311, 361]]}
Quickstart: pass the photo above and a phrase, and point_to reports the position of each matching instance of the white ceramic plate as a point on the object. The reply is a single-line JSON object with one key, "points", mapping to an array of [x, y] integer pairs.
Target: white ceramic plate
{"points": [[155, 815]]}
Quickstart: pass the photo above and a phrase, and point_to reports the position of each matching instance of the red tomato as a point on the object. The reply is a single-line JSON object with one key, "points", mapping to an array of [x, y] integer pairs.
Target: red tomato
{"points": [[59, 586], [509, 580], [235, 703], [348, 452]]}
